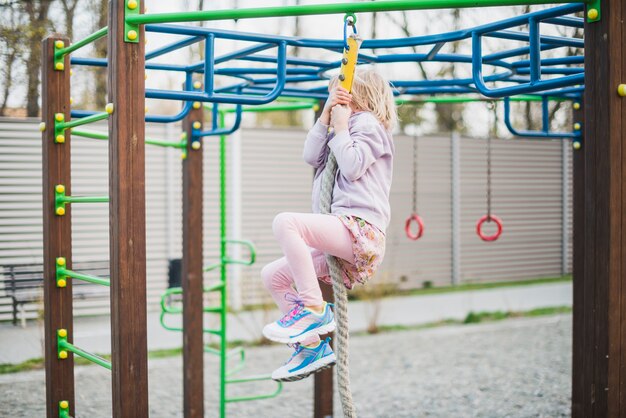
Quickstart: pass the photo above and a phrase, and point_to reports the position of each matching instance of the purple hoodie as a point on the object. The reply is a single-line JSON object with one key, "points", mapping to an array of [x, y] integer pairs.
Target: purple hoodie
{"points": [[365, 158]]}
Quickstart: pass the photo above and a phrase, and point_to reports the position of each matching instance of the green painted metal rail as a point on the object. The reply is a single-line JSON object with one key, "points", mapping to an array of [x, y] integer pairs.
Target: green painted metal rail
{"points": [[61, 52], [63, 346], [332, 8], [151, 141], [83, 121]]}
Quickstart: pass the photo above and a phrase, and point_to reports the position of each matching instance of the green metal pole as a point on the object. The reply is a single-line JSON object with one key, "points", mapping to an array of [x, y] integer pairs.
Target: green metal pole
{"points": [[83, 199], [332, 8], [85, 277], [152, 141], [61, 52], [223, 271], [84, 354], [83, 121]]}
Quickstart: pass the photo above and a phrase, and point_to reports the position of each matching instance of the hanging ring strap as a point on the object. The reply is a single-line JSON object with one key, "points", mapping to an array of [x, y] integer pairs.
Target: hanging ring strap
{"points": [[489, 217]]}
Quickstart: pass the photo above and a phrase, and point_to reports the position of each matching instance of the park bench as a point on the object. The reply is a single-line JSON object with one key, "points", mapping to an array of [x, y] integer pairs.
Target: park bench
{"points": [[23, 285]]}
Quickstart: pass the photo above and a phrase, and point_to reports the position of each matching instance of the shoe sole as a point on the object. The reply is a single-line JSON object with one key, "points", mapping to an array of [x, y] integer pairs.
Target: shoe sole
{"points": [[324, 329], [304, 373]]}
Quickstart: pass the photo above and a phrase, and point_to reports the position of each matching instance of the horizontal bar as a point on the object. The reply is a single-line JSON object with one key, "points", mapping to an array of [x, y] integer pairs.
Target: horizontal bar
{"points": [[277, 391], [333, 8], [82, 199], [469, 99], [77, 45], [83, 121], [152, 141], [63, 345], [62, 271]]}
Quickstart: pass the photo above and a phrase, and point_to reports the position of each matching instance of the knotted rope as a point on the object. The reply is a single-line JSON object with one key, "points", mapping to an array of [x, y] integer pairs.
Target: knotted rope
{"points": [[341, 297]]}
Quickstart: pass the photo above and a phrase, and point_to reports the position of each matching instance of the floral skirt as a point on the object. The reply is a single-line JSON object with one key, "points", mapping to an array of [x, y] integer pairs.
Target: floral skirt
{"points": [[368, 244]]}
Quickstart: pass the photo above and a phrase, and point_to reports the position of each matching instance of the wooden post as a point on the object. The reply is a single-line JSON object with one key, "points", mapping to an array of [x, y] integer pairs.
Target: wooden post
{"points": [[323, 385], [127, 219], [57, 230], [580, 345], [600, 371], [193, 342]]}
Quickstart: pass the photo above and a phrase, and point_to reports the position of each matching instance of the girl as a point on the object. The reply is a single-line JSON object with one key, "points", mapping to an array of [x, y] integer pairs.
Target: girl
{"points": [[360, 138]]}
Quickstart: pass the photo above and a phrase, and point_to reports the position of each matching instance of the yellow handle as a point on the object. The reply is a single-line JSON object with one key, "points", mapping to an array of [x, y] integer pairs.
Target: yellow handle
{"points": [[348, 62]]}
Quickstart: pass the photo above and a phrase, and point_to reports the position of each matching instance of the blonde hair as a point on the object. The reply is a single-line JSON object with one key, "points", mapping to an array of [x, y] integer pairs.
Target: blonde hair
{"points": [[372, 93]]}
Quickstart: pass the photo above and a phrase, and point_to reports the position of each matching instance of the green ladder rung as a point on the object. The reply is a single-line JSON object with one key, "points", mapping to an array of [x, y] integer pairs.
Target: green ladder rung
{"points": [[63, 346], [279, 388], [63, 273]]}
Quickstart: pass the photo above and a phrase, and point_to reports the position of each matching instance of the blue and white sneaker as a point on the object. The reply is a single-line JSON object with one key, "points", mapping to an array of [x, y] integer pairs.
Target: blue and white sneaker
{"points": [[299, 324], [305, 361]]}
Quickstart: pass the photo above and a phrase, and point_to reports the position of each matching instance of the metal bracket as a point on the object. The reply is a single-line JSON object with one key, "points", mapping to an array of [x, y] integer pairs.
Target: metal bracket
{"points": [[594, 11], [131, 31]]}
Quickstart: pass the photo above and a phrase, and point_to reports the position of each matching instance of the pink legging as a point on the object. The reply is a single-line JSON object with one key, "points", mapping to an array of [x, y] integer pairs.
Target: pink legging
{"points": [[304, 239]]}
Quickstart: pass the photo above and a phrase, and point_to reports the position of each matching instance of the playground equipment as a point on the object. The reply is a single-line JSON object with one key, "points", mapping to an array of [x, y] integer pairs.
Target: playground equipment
{"points": [[414, 217], [599, 200], [489, 217]]}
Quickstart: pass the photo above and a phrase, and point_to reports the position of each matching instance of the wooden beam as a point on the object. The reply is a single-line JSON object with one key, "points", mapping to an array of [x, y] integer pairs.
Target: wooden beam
{"points": [[323, 385], [603, 336], [57, 230], [127, 213], [192, 284]]}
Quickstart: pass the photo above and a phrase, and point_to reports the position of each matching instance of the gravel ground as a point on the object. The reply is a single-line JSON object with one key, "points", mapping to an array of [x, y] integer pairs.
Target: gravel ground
{"points": [[512, 368]]}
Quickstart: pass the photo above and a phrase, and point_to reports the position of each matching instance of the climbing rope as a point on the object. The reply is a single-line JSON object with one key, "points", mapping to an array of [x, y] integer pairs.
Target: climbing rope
{"points": [[341, 297], [348, 65]]}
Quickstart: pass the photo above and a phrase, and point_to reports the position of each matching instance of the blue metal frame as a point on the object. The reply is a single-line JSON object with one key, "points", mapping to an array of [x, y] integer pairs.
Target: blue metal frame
{"points": [[545, 122], [519, 70]]}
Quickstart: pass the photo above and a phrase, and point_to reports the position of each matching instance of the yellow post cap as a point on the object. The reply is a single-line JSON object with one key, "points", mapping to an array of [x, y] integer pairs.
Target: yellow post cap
{"points": [[576, 145], [132, 35], [60, 139], [576, 105], [59, 117], [59, 44], [183, 135], [62, 333], [64, 404], [197, 84], [197, 125], [577, 126], [59, 188], [196, 145], [60, 211], [592, 14], [42, 126], [183, 155], [621, 90], [196, 105], [63, 354], [109, 108], [132, 4], [59, 66], [71, 72], [61, 283], [61, 261], [71, 100]]}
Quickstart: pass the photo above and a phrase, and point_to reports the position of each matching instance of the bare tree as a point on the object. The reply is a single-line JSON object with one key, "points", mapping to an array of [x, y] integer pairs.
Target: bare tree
{"points": [[11, 28], [101, 11], [69, 8], [36, 29]]}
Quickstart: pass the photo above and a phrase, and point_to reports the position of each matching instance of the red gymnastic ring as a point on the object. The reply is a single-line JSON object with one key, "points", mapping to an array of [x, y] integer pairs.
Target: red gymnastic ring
{"points": [[489, 218], [420, 227]]}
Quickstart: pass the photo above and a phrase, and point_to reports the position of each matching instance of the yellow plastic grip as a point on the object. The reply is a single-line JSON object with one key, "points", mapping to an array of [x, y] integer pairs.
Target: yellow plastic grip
{"points": [[348, 63]]}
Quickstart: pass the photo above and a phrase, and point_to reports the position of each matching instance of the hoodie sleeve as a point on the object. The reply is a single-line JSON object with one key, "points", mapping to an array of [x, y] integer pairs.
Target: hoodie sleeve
{"points": [[357, 149], [315, 144]]}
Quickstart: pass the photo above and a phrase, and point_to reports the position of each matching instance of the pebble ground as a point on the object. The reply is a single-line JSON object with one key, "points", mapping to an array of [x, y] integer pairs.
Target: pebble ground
{"points": [[511, 368]]}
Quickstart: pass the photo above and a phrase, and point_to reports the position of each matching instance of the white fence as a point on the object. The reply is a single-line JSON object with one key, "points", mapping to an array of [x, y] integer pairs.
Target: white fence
{"points": [[531, 193]]}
